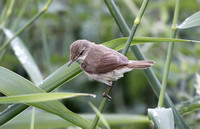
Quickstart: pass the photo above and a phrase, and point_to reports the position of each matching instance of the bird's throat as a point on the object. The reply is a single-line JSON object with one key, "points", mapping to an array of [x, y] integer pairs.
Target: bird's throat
{"points": [[80, 59]]}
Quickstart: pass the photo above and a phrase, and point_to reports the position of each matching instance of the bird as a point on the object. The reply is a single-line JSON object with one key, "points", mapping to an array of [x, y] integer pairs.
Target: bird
{"points": [[101, 63]]}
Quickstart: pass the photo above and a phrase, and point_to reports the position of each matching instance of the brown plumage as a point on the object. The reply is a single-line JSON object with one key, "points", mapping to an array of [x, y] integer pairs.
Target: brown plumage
{"points": [[102, 63]]}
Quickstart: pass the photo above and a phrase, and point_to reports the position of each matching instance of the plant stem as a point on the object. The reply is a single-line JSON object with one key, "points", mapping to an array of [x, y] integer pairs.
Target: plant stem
{"points": [[134, 28], [27, 25], [32, 118], [153, 80], [101, 107], [125, 50], [130, 38], [169, 55]]}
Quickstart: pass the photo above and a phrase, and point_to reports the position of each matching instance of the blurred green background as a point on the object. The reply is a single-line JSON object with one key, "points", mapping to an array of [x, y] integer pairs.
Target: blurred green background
{"points": [[49, 39]]}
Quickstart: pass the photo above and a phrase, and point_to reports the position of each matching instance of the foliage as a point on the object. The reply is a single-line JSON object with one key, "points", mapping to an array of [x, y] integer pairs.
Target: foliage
{"points": [[45, 43]]}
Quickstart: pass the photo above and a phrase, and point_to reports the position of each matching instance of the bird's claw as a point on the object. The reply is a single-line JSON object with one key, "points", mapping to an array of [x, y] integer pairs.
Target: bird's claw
{"points": [[107, 96]]}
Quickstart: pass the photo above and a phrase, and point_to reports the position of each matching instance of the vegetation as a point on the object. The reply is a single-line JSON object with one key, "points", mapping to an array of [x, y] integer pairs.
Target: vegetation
{"points": [[35, 37]]}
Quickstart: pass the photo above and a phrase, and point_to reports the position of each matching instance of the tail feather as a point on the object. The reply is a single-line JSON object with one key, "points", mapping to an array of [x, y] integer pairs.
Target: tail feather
{"points": [[140, 64]]}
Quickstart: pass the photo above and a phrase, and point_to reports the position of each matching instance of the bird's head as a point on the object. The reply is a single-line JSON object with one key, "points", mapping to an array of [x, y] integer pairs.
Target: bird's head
{"points": [[79, 50]]}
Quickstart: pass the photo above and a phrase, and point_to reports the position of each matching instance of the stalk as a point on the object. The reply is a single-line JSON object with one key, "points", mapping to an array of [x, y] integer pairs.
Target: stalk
{"points": [[124, 52], [151, 77], [169, 55], [32, 118]]}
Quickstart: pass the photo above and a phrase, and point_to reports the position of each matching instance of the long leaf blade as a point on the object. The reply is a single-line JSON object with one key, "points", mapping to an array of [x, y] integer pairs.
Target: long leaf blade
{"points": [[40, 97], [153, 80], [19, 86], [192, 21], [118, 44], [162, 117], [24, 57], [46, 120], [104, 121]]}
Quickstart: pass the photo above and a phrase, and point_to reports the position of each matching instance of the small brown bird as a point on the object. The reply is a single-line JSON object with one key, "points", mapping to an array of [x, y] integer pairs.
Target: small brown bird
{"points": [[102, 63]]}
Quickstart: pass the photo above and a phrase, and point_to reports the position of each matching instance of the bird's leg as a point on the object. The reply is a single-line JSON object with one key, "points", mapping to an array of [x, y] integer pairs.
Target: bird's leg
{"points": [[105, 93]]}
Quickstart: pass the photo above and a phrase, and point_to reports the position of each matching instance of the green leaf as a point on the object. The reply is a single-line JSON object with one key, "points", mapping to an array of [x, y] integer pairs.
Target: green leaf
{"points": [[192, 21], [118, 44], [40, 97], [104, 121], [24, 57], [13, 84], [153, 80], [189, 106], [44, 120], [162, 117]]}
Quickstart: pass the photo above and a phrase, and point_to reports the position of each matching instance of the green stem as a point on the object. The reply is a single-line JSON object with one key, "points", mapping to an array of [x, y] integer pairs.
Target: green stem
{"points": [[32, 118], [141, 12], [125, 50], [101, 107], [169, 55], [134, 28], [118, 17], [27, 25], [130, 38], [153, 80]]}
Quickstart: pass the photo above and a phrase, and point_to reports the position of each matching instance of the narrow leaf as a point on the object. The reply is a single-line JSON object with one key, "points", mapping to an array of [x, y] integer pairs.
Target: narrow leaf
{"points": [[118, 44], [40, 97], [189, 106], [104, 121], [24, 57], [13, 84], [192, 21], [162, 117], [153, 80], [44, 120]]}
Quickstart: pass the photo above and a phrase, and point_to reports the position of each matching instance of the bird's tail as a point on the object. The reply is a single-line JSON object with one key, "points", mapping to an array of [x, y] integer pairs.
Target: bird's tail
{"points": [[140, 64]]}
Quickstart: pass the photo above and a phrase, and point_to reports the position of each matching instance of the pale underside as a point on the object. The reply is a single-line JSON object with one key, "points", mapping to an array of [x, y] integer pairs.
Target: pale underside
{"points": [[107, 78], [106, 65]]}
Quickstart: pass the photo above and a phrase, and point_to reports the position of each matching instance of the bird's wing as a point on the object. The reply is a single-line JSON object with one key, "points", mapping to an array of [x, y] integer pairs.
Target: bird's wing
{"points": [[103, 62], [109, 62]]}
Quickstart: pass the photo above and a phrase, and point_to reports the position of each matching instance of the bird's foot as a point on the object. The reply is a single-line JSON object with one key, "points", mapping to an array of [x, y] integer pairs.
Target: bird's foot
{"points": [[107, 96]]}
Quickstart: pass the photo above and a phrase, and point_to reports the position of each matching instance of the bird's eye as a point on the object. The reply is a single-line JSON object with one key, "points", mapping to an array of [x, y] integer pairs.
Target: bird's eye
{"points": [[81, 53]]}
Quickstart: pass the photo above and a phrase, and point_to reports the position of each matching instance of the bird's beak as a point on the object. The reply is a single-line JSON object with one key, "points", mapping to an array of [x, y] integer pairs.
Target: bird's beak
{"points": [[70, 62]]}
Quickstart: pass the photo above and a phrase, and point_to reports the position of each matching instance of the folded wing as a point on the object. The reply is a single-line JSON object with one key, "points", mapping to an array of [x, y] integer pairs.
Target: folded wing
{"points": [[101, 61]]}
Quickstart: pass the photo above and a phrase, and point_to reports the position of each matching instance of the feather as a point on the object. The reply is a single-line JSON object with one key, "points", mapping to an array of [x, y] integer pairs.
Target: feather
{"points": [[101, 59], [139, 64]]}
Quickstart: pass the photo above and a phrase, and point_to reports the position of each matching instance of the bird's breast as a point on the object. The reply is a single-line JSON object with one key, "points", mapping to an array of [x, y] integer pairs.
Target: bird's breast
{"points": [[109, 76]]}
